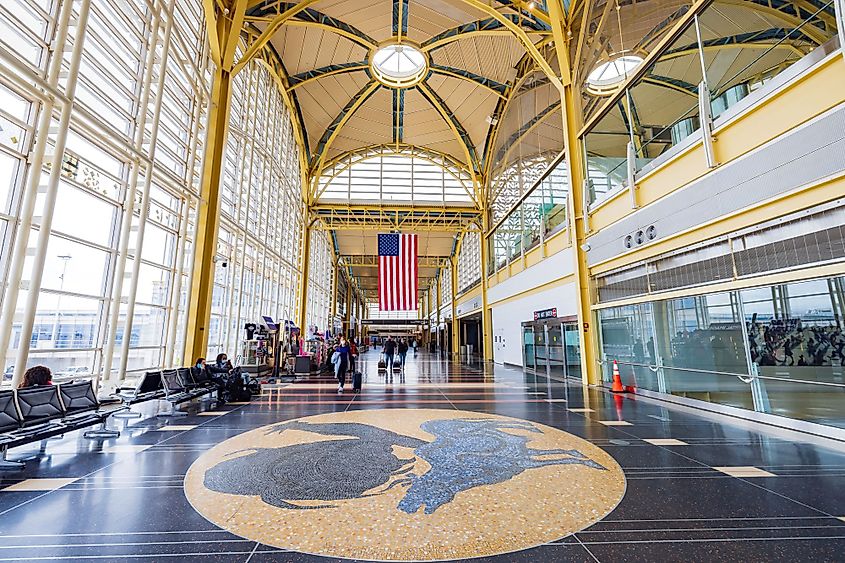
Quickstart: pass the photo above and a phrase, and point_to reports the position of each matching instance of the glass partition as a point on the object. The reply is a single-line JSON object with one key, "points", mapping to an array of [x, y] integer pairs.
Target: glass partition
{"points": [[791, 362], [743, 46], [796, 341], [691, 347], [761, 48], [539, 213]]}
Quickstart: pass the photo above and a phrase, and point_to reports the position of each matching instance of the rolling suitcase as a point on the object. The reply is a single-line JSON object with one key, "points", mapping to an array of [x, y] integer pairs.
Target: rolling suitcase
{"points": [[356, 381], [382, 364]]}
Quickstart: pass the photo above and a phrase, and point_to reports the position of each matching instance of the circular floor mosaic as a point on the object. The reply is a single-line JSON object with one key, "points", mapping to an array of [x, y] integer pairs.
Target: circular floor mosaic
{"points": [[405, 485]]}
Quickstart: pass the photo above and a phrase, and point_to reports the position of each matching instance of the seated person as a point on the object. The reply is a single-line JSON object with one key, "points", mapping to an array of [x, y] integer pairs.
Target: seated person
{"points": [[36, 376], [218, 372], [198, 368], [221, 365]]}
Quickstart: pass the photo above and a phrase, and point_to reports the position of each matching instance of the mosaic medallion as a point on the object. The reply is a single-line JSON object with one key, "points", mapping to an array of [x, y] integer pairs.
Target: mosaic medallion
{"points": [[405, 484]]}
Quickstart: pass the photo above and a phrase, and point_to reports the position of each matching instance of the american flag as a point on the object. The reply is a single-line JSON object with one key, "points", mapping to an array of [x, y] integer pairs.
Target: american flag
{"points": [[397, 272]]}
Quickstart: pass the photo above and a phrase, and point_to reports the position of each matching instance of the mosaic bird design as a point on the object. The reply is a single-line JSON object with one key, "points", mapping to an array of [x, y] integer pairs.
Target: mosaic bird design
{"points": [[466, 453], [323, 471], [469, 453]]}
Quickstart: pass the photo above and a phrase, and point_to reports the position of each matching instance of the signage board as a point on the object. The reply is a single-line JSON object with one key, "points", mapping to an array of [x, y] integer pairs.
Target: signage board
{"points": [[390, 322], [545, 314]]}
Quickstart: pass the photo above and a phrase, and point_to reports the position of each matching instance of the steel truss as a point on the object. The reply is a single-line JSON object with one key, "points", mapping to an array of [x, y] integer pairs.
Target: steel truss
{"points": [[343, 217], [372, 260]]}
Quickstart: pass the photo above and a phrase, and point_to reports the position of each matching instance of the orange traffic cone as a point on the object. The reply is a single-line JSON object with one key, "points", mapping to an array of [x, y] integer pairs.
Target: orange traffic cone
{"points": [[617, 380]]}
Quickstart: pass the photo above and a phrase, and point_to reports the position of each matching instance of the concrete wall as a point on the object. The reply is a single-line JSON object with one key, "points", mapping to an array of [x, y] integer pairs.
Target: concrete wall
{"points": [[514, 301]]}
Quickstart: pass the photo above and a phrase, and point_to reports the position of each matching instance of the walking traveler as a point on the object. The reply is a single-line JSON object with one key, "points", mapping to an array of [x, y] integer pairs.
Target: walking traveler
{"points": [[389, 351], [341, 360], [403, 352]]}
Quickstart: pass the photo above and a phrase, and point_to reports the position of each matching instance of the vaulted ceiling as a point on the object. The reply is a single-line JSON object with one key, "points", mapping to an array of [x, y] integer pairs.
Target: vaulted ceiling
{"points": [[326, 51]]}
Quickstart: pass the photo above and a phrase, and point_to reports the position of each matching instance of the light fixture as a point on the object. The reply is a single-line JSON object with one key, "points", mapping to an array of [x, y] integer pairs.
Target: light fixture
{"points": [[605, 78], [399, 65]]}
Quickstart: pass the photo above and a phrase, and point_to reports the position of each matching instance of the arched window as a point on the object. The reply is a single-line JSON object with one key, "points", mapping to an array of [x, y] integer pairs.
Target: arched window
{"points": [[384, 174]]}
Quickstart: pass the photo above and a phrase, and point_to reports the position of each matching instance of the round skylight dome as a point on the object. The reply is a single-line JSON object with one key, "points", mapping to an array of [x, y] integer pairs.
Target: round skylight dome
{"points": [[606, 77], [399, 65]]}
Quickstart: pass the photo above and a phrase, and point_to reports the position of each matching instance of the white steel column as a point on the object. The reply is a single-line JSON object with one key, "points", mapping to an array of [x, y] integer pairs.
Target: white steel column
{"points": [[148, 180], [840, 24], [241, 211], [129, 208], [30, 194], [50, 196], [179, 271]]}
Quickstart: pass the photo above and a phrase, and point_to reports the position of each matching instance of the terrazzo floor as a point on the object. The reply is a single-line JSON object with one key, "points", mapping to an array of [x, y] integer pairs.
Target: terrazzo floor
{"points": [[698, 486]]}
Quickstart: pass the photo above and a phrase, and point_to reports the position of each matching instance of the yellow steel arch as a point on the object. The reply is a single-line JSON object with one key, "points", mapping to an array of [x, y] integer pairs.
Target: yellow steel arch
{"points": [[275, 24], [318, 25]]}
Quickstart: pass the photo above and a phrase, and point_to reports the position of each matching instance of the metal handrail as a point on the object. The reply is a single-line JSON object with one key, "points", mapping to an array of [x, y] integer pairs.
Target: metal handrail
{"points": [[744, 377], [655, 368]]}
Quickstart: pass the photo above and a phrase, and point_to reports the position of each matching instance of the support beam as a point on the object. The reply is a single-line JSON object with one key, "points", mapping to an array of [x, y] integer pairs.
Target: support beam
{"points": [[304, 264], [456, 324], [308, 76], [439, 304], [208, 217], [339, 217], [314, 19], [523, 38], [493, 86], [577, 212], [373, 260], [268, 32], [486, 348], [487, 26]]}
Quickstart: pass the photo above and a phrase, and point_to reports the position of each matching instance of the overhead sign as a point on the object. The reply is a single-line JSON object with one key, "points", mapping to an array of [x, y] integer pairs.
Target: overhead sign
{"points": [[545, 314], [391, 322]]}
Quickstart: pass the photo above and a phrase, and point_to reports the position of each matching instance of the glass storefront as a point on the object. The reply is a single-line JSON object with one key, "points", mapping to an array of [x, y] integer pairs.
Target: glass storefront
{"points": [[775, 349], [551, 347]]}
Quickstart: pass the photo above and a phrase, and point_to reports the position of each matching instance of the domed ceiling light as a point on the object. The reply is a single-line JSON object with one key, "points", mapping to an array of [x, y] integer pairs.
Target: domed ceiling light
{"points": [[610, 74], [399, 65]]}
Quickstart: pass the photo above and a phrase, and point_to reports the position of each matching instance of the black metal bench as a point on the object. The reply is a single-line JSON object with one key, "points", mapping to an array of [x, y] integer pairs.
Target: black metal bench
{"points": [[181, 386], [38, 413], [148, 388]]}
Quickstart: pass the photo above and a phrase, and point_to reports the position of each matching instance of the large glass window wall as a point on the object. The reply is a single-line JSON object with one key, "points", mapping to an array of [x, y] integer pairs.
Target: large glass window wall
{"points": [[117, 266], [321, 272], [469, 262], [117, 169], [258, 250], [404, 175], [777, 349]]}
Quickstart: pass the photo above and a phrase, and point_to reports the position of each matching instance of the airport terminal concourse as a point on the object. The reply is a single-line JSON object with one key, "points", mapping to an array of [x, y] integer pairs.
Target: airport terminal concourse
{"points": [[422, 280]]}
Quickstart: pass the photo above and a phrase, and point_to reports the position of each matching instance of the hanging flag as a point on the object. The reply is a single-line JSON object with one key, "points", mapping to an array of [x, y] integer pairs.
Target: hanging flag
{"points": [[397, 272]]}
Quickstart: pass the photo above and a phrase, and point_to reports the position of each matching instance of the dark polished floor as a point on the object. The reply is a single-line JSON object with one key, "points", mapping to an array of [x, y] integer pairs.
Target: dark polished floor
{"points": [[698, 487]]}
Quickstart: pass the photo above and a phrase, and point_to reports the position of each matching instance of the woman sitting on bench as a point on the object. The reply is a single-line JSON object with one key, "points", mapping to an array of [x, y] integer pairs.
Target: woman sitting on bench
{"points": [[36, 376]]}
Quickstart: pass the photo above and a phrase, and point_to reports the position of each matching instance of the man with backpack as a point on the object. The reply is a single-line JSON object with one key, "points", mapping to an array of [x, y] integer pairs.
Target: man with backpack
{"points": [[389, 351]]}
